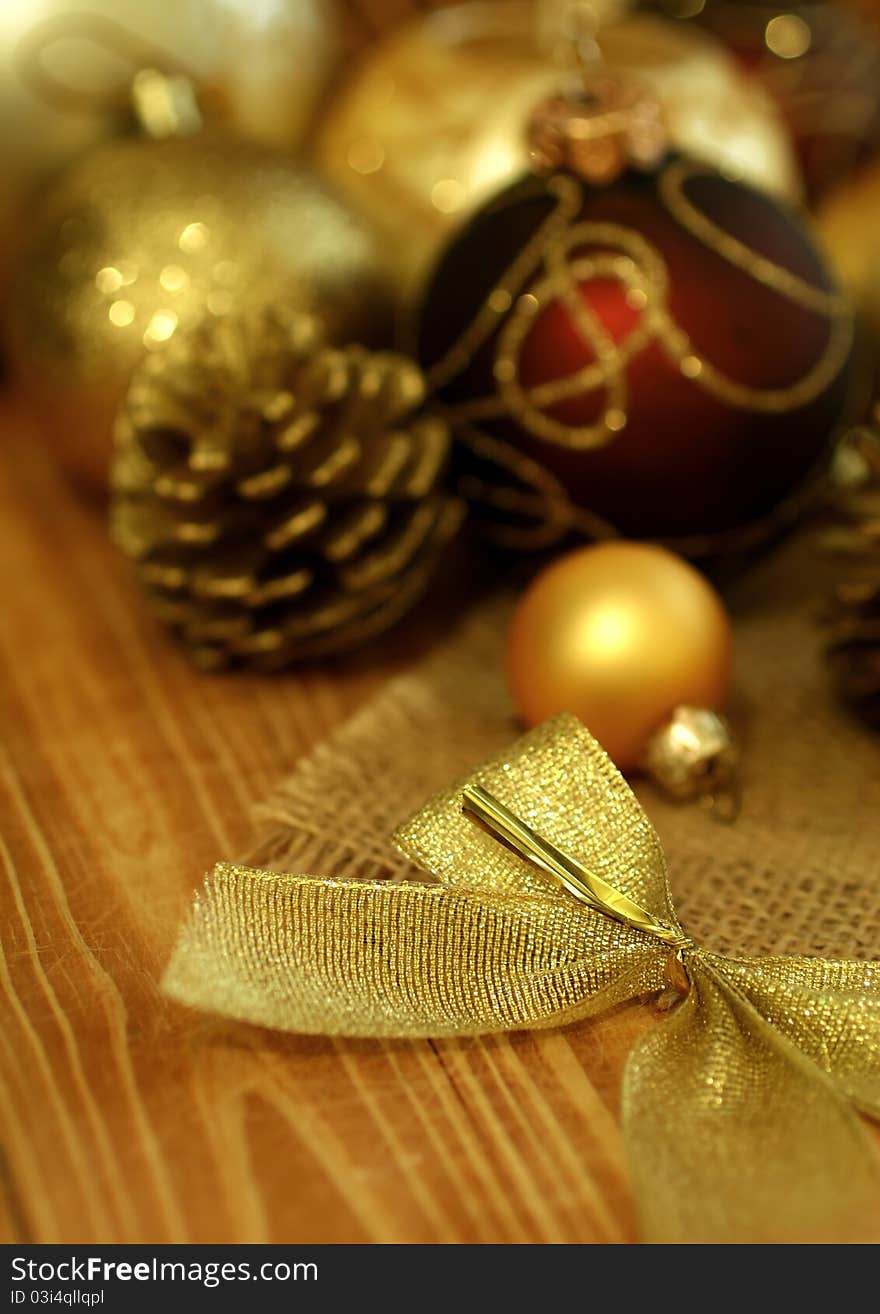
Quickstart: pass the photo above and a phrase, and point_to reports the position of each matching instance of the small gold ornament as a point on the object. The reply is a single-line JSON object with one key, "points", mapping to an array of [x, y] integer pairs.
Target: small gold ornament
{"points": [[623, 634], [282, 498], [65, 66], [432, 122], [738, 1108], [694, 755], [142, 237]]}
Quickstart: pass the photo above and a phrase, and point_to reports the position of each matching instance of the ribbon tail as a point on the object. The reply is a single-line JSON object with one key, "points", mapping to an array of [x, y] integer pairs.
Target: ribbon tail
{"points": [[829, 1008], [736, 1136], [358, 958]]}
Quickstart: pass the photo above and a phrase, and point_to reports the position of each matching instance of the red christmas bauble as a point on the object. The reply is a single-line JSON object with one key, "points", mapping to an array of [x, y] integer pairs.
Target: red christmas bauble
{"points": [[664, 357]]}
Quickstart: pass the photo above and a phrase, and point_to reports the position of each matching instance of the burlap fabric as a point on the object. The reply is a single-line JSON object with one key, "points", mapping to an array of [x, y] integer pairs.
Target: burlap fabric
{"points": [[798, 872]]}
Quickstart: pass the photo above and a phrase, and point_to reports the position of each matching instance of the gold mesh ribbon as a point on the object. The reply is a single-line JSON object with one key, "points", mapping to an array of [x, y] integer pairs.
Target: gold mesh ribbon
{"points": [[739, 1108]]}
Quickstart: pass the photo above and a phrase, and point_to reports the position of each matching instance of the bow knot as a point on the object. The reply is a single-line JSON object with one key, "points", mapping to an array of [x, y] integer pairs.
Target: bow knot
{"points": [[738, 1107]]}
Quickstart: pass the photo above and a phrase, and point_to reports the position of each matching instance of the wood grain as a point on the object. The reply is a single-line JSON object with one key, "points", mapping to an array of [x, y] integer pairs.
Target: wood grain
{"points": [[123, 775]]}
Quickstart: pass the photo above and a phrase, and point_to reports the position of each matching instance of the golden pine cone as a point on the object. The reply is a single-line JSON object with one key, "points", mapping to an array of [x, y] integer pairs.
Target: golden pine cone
{"points": [[282, 499]]}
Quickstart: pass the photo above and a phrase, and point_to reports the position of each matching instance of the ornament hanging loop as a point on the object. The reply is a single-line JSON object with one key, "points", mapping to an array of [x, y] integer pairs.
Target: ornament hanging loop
{"points": [[136, 55], [568, 30], [596, 125]]}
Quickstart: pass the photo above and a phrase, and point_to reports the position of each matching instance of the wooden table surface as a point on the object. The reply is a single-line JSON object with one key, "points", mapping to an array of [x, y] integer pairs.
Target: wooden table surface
{"points": [[124, 774]]}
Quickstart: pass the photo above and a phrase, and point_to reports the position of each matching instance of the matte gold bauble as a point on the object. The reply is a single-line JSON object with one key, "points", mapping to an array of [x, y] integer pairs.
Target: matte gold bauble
{"points": [[621, 634], [432, 123], [142, 238], [265, 62]]}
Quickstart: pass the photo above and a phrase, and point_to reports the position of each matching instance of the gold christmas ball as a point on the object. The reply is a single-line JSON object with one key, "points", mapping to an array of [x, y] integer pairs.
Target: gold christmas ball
{"points": [[847, 223], [621, 634], [65, 66], [140, 239], [433, 122]]}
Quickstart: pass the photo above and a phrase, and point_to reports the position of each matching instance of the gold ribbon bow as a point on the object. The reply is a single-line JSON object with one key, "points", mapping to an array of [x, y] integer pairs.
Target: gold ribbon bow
{"points": [[737, 1107]]}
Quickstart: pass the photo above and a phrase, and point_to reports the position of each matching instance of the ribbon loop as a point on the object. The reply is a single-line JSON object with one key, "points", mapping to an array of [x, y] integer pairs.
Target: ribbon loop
{"points": [[737, 1107], [585, 885]]}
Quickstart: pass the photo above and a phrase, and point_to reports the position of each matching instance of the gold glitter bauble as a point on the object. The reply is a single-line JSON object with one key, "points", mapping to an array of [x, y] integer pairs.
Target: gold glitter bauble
{"points": [[282, 498], [620, 634], [142, 238], [432, 123], [266, 63]]}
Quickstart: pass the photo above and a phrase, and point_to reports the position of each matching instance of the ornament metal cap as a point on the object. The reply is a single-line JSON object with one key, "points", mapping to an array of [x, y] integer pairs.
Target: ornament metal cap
{"points": [[597, 129], [165, 105], [694, 756]]}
